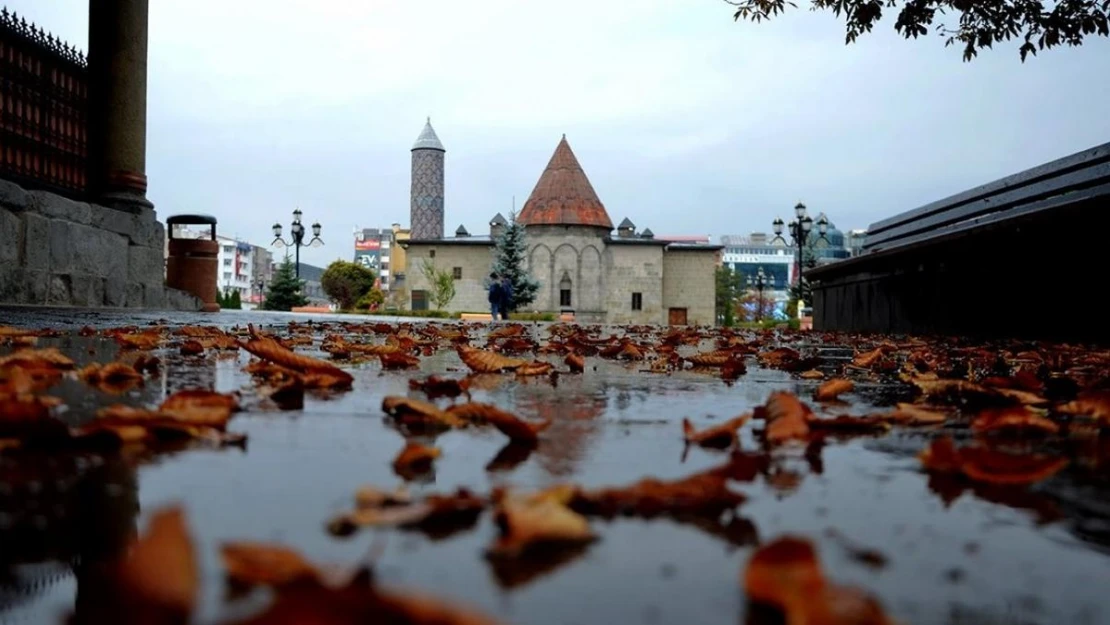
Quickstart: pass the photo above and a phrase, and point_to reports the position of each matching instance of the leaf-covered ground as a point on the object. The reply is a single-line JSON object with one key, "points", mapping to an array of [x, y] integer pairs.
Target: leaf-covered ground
{"points": [[260, 468]]}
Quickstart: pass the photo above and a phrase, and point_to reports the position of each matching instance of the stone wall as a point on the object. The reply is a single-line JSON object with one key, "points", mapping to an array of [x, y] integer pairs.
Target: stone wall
{"points": [[688, 282], [634, 269], [475, 262], [576, 252], [59, 252]]}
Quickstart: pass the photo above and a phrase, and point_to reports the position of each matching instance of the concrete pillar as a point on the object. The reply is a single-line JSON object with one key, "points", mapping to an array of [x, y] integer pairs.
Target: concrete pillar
{"points": [[117, 103]]}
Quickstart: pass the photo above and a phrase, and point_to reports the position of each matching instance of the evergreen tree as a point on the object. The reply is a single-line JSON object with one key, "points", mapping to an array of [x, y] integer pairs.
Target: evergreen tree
{"points": [[510, 260], [285, 288], [235, 302]]}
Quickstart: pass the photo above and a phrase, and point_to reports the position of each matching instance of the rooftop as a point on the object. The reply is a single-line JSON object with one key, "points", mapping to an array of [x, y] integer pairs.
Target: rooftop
{"points": [[564, 195], [428, 139]]}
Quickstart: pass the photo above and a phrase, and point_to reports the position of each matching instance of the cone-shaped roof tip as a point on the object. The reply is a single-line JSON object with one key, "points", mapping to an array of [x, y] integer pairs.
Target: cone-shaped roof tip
{"points": [[627, 223], [498, 220], [428, 139], [563, 195]]}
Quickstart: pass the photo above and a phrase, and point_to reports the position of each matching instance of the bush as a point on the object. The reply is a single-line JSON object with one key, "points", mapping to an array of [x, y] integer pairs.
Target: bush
{"points": [[371, 301], [345, 282], [532, 316]]}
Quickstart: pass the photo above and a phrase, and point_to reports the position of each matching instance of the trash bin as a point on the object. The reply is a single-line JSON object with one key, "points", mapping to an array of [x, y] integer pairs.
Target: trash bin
{"points": [[191, 265]]}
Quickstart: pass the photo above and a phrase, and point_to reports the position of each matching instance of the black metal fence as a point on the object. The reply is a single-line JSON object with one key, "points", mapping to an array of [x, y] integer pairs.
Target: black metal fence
{"points": [[43, 109]]}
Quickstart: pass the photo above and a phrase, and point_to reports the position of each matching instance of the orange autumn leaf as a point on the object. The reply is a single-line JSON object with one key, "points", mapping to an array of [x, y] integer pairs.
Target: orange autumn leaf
{"points": [[849, 423], [436, 512], [269, 349], [812, 374], [398, 361], [913, 414], [787, 417], [575, 362], [410, 410], [482, 361], [191, 348], [45, 358], [414, 459], [867, 360], [830, 389], [710, 359], [1092, 404], [535, 368], [786, 574], [262, 564], [983, 464], [157, 581], [507, 423], [435, 386], [706, 492], [526, 523], [143, 341], [1013, 419], [719, 436]]}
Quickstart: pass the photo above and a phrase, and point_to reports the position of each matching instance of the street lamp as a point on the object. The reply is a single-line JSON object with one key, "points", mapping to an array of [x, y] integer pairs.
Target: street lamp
{"points": [[798, 230], [297, 232], [761, 282]]}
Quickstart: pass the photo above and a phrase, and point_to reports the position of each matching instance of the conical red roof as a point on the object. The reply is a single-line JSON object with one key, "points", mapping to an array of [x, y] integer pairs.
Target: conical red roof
{"points": [[564, 195]]}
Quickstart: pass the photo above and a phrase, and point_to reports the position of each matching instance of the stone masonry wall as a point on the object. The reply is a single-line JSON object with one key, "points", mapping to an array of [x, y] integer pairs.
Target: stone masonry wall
{"points": [[688, 282], [59, 252], [475, 262], [634, 269]]}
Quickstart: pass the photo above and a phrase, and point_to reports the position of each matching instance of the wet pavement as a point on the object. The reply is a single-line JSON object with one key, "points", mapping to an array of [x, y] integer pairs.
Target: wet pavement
{"points": [[1037, 554]]}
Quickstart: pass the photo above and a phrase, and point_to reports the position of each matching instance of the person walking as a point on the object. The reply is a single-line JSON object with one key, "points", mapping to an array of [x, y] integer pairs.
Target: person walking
{"points": [[496, 295], [506, 297]]}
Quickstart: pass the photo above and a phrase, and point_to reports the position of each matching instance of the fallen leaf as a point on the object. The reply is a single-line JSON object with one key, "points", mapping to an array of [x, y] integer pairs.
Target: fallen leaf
{"points": [[435, 386], [398, 361], [829, 390], [1013, 420], [913, 414], [414, 459], [534, 368], [482, 361], [269, 349], [507, 423], [262, 564], [412, 411], [576, 362], [719, 436], [528, 524]]}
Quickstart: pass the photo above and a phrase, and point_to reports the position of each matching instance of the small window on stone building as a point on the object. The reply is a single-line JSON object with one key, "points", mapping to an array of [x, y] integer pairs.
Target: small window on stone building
{"points": [[637, 301], [564, 297], [456, 273], [431, 253], [227, 262]]}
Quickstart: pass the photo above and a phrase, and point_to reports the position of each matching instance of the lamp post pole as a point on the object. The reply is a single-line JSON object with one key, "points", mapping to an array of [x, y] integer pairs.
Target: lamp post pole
{"points": [[759, 283], [296, 230]]}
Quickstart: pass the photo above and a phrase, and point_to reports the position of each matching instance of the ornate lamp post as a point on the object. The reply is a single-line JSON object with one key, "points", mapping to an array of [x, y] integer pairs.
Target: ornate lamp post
{"points": [[761, 281], [798, 230], [297, 231]]}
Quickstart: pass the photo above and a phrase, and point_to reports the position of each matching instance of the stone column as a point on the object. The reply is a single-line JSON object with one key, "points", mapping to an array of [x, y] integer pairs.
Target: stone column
{"points": [[117, 103]]}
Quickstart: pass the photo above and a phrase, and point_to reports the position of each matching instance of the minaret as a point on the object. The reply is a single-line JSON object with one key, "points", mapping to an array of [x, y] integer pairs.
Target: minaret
{"points": [[426, 209]]}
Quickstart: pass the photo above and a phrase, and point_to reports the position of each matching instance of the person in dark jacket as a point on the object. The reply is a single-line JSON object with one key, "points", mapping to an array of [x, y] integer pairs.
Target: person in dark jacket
{"points": [[496, 295], [506, 297]]}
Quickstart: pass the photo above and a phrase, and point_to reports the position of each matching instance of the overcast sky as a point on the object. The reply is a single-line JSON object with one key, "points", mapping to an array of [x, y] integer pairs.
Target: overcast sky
{"points": [[685, 121]]}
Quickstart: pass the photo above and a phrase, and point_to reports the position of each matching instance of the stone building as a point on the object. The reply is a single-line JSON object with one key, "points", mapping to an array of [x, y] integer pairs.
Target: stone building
{"points": [[77, 227], [426, 205], [584, 269]]}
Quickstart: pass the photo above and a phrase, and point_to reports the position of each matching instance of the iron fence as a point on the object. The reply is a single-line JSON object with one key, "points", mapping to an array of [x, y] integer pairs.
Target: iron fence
{"points": [[43, 109]]}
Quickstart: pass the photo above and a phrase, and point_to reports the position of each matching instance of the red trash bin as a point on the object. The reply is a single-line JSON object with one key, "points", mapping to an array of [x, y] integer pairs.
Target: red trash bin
{"points": [[192, 264]]}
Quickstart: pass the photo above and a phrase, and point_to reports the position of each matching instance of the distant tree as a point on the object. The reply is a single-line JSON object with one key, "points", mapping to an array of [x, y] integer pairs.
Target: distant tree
{"points": [[440, 283], [510, 259], [234, 301], [749, 306], [729, 288], [371, 300], [285, 289], [345, 282], [980, 24]]}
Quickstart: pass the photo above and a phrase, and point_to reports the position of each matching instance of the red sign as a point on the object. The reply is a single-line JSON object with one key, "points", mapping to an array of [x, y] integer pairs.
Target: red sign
{"points": [[367, 245]]}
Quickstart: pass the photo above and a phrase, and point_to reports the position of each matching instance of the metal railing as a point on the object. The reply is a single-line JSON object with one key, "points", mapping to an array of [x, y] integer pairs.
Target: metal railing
{"points": [[43, 109]]}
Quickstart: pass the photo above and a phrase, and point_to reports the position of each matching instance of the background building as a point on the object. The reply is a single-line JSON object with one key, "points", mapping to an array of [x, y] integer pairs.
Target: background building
{"points": [[262, 272], [234, 265], [747, 254], [583, 269], [372, 250], [311, 275]]}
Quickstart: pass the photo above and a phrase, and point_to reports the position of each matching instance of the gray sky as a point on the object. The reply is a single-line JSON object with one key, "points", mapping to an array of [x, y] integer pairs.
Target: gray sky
{"points": [[685, 122]]}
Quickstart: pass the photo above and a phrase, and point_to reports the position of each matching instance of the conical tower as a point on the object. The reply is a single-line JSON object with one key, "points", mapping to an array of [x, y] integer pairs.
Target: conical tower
{"points": [[564, 196], [426, 203]]}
